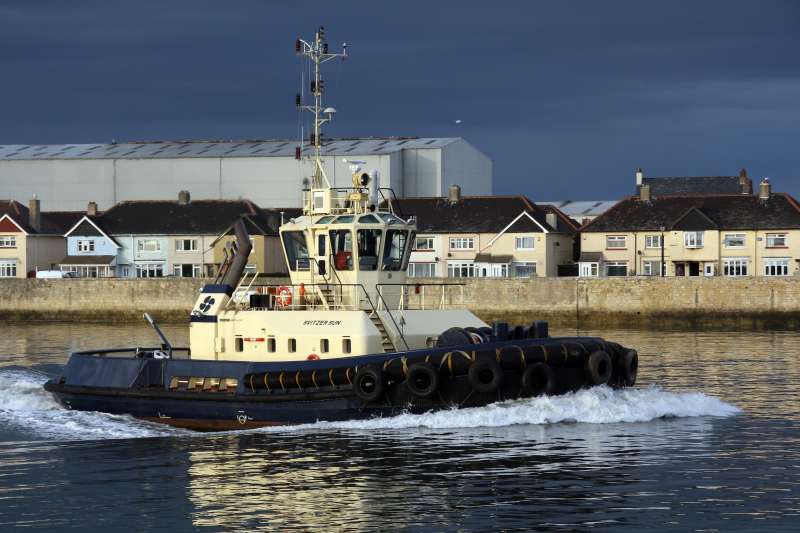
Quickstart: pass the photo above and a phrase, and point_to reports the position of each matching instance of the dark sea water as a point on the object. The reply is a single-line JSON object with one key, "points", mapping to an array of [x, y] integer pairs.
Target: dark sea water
{"points": [[709, 440]]}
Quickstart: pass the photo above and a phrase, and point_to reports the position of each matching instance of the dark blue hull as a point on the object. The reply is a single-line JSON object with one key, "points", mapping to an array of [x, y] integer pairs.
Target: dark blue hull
{"points": [[218, 395]]}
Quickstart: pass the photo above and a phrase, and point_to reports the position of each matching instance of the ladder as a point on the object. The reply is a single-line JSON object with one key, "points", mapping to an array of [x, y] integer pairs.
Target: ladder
{"points": [[386, 341]]}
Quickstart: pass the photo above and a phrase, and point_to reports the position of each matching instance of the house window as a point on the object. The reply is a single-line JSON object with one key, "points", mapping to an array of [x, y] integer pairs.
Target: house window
{"points": [[460, 270], [8, 269], [617, 268], [776, 266], [148, 245], [8, 241], [616, 242], [734, 240], [653, 268], [423, 243], [525, 270], [422, 270], [86, 246], [776, 240], [653, 241], [149, 270], [186, 270], [462, 243], [589, 270], [524, 243], [735, 266], [186, 245], [693, 239]]}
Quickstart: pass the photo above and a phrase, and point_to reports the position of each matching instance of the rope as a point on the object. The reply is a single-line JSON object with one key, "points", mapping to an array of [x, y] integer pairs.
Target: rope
{"points": [[266, 381], [314, 378]]}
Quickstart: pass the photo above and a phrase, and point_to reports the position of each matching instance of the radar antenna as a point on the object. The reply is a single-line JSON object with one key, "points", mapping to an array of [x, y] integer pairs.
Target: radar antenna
{"points": [[317, 52]]}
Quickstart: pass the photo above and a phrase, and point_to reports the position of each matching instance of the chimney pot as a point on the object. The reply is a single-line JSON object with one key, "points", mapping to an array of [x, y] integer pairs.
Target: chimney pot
{"points": [[35, 213], [184, 197], [639, 176], [455, 194], [644, 193], [91, 209], [743, 173], [764, 189]]}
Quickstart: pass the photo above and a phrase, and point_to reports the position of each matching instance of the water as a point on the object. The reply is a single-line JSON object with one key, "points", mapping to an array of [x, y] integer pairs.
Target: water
{"points": [[709, 440]]}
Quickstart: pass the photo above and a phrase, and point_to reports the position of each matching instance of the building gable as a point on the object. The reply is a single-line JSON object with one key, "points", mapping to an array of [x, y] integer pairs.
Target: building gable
{"points": [[694, 220], [85, 229], [7, 225]]}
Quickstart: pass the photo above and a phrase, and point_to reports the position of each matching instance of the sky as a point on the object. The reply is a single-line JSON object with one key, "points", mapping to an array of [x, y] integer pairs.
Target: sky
{"points": [[568, 98]]}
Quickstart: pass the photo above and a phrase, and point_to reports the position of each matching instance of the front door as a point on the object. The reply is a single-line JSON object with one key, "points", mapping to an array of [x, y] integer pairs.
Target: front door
{"points": [[680, 269], [694, 268]]}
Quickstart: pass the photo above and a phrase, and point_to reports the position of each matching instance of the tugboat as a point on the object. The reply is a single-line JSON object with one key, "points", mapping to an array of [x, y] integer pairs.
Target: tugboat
{"points": [[348, 338]]}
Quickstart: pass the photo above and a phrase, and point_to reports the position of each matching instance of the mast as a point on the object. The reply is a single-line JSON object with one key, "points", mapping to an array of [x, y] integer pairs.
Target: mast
{"points": [[317, 52]]}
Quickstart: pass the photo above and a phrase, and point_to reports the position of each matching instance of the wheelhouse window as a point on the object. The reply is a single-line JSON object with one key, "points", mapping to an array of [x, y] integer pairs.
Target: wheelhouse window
{"points": [[616, 242], [86, 246], [734, 240], [394, 250], [294, 243], [148, 245], [776, 240], [423, 244], [653, 241], [735, 266], [186, 245], [616, 268], [369, 244], [462, 243], [524, 243], [776, 266], [342, 249], [422, 270], [8, 269], [8, 241]]}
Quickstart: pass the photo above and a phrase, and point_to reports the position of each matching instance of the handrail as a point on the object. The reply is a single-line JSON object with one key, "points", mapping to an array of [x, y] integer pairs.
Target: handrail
{"points": [[388, 312], [379, 287]]}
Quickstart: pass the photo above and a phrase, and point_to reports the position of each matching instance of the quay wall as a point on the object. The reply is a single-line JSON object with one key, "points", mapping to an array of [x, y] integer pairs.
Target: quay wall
{"points": [[646, 302]]}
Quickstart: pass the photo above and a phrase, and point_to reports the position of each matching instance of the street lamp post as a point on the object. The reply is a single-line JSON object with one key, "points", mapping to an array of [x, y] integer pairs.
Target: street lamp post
{"points": [[663, 266]]}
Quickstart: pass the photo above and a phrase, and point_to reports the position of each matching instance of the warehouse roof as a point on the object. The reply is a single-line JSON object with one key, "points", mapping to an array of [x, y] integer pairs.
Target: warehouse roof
{"points": [[228, 148], [481, 214], [732, 211], [580, 209]]}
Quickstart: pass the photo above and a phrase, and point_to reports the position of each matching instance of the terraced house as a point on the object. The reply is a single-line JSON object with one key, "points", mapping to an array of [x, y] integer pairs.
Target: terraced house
{"points": [[488, 237], [692, 229]]}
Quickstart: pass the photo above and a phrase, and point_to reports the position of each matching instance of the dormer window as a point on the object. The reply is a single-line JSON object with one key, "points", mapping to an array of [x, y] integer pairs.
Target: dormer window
{"points": [[86, 246]]}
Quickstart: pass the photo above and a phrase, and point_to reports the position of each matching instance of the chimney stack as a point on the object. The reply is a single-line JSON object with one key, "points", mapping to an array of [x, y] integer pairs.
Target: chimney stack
{"points": [[455, 194], [644, 193], [745, 184], [183, 197], [91, 209], [639, 176], [764, 190], [551, 219], [35, 213]]}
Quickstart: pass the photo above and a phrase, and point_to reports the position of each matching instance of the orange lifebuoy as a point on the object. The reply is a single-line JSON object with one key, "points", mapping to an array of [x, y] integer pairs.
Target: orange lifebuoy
{"points": [[284, 296], [312, 357]]}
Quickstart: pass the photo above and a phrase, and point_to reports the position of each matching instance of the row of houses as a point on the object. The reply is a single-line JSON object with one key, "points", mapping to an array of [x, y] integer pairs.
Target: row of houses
{"points": [[675, 226]]}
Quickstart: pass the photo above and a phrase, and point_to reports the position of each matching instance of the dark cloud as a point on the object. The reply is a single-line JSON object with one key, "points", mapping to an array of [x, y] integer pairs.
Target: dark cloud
{"points": [[566, 97]]}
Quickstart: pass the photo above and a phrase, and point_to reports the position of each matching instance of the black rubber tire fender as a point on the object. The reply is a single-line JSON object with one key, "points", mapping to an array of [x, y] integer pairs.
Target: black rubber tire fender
{"points": [[598, 368], [538, 379], [628, 367], [368, 383], [422, 379], [453, 337], [485, 375]]}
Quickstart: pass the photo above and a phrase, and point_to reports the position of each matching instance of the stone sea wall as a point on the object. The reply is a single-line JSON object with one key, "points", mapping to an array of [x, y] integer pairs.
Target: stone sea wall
{"points": [[645, 302]]}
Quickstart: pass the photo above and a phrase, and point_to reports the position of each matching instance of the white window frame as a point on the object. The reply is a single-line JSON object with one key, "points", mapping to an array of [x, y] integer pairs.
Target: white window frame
{"points": [[429, 245], [86, 245], [647, 267], [8, 269], [180, 245], [422, 270], [143, 245], [693, 239], [463, 269], [589, 270], [777, 266], [734, 236], [151, 270], [772, 237], [611, 264], [613, 242], [462, 243], [8, 241], [653, 241], [735, 267], [525, 242], [524, 269]]}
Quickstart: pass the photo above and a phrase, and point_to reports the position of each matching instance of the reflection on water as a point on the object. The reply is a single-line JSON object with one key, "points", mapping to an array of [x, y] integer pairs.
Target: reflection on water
{"points": [[438, 472]]}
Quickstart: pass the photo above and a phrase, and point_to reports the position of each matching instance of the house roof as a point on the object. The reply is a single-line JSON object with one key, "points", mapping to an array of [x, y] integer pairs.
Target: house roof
{"points": [[590, 257], [489, 258], [88, 260], [727, 212], [52, 222], [481, 214], [693, 185]]}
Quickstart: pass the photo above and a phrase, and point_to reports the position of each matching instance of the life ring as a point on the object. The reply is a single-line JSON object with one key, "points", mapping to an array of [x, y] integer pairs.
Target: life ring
{"points": [[422, 379], [598, 368], [485, 375], [368, 383], [538, 379], [312, 357], [284, 296], [628, 367]]}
